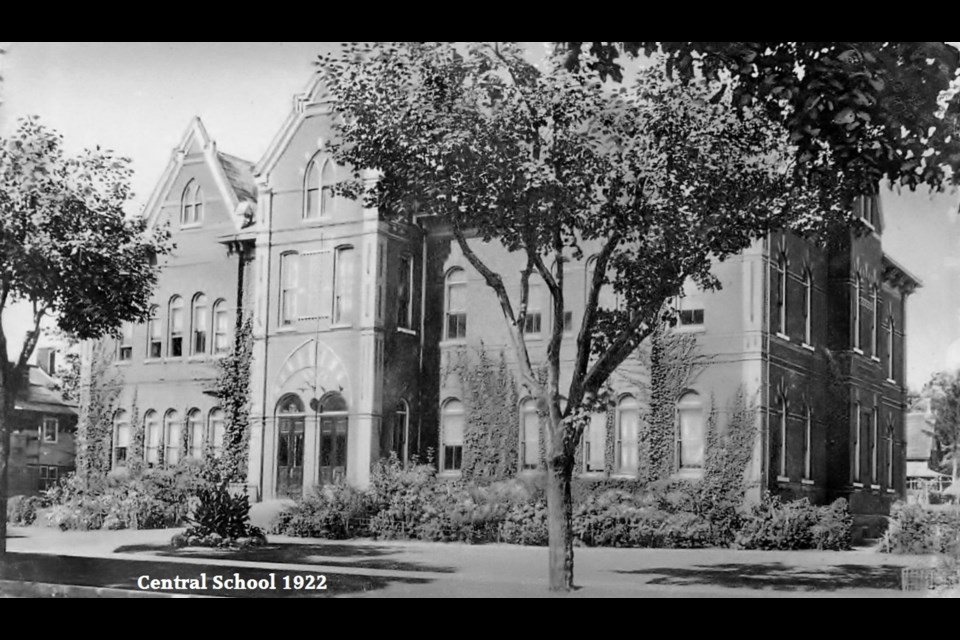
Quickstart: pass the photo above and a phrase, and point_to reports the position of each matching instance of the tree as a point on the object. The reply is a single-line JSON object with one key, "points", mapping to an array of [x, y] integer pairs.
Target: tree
{"points": [[662, 176], [69, 252], [944, 393], [878, 110]]}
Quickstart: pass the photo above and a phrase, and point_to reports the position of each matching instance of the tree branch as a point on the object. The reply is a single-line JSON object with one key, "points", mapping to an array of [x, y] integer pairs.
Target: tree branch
{"points": [[32, 338]]}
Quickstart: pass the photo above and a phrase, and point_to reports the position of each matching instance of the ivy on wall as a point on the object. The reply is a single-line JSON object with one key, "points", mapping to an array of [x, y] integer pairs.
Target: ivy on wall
{"points": [[135, 461], [492, 421], [232, 390], [99, 402]]}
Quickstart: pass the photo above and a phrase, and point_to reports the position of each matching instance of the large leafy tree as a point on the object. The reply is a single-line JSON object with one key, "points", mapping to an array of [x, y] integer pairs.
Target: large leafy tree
{"points": [[68, 252], [944, 393], [879, 110], [657, 177]]}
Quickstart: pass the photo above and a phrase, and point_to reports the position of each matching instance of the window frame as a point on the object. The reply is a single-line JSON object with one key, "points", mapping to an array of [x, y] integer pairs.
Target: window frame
{"points": [[171, 418], [48, 420], [619, 467], [154, 334], [344, 315], [405, 306], [191, 205], [120, 420], [808, 443], [289, 288], [175, 309], [857, 332], [217, 446], [528, 407], [857, 471], [808, 307], [194, 424], [445, 411], [199, 327], [220, 309], [783, 270], [151, 423], [589, 444], [449, 313], [125, 344]]}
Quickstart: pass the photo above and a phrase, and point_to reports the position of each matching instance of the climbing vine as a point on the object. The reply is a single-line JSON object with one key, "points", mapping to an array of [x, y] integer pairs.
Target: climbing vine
{"points": [[232, 390], [135, 461], [491, 428], [98, 404]]}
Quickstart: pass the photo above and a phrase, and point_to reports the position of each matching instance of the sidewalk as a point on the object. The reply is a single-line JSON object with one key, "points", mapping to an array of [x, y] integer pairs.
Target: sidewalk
{"points": [[117, 559]]}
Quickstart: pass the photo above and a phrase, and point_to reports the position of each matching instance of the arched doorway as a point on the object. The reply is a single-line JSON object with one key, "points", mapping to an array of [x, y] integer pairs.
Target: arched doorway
{"points": [[290, 427], [333, 439]]}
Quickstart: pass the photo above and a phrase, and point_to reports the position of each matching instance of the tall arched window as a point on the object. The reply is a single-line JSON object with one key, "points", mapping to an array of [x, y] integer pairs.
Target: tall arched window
{"points": [[154, 334], [401, 427], [121, 438], [333, 439], [783, 417], [594, 444], [343, 285], [290, 438], [875, 446], [875, 333], [221, 327], [858, 293], [455, 299], [151, 438], [175, 339], [318, 182], [173, 438], [451, 434], [891, 330], [289, 286], [856, 448], [191, 205], [200, 326], [808, 444], [529, 435], [195, 433], [690, 432], [781, 273], [628, 432], [890, 440], [216, 432], [807, 307]]}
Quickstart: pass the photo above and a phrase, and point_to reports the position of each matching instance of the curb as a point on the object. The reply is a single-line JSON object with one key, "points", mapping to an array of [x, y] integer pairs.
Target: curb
{"points": [[19, 589]]}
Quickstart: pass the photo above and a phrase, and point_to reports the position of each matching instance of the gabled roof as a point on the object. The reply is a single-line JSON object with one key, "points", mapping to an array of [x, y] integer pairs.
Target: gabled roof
{"points": [[234, 176], [314, 98], [41, 395]]}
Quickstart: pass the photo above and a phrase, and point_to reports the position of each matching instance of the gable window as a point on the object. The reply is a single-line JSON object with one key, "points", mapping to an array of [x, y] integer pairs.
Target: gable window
{"points": [[784, 417], [50, 426], [856, 313], [200, 326], [221, 327], [451, 429], [529, 435], [172, 436], [690, 432], [628, 432], [154, 334], [217, 432], [533, 321], [121, 438], [175, 345], [343, 283], [126, 341], [405, 294], [311, 190], [195, 433], [781, 293], [456, 304], [151, 438], [289, 282], [808, 444], [594, 444], [807, 307], [191, 212], [690, 305]]}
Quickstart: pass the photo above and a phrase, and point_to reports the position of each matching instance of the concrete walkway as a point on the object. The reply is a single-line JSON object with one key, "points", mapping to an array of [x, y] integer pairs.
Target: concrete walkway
{"points": [[417, 569]]}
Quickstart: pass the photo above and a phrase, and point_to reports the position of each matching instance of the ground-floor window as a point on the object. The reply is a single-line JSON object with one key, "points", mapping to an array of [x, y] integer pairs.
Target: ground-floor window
{"points": [[451, 430]]}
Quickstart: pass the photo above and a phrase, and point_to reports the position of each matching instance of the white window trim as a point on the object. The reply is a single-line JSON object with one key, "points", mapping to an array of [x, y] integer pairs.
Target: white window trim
{"points": [[56, 429]]}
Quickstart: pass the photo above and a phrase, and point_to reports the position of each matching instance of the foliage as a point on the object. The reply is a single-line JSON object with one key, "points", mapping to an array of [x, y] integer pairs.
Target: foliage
{"points": [[491, 434], [221, 516], [328, 513], [879, 109], [914, 530], [774, 525], [232, 389], [944, 393], [22, 510], [98, 406]]}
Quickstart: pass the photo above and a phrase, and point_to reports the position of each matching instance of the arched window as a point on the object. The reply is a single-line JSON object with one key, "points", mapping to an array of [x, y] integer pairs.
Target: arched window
{"points": [[451, 436], [290, 439], [807, 307], [808, 444], [875, 333], [890, 460], [405, 294], [455, 298], [216, 432], [191, 205], [594, 444], [783, 416], [195, 433], [343, 285], [175, 340], [200, 324], [173, 438], [154, 334], [121, 438], [401, 426], [311, 190], [891, 329], [781, 273], [529, 435], [333, 439], [690, 432], [289, 286], [858, 293], [628, 432], [151, 438], [221, 327], [875, 446], [855, 449]]}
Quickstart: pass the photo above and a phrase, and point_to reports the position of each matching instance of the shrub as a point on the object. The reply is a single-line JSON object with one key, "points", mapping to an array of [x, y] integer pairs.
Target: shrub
{"points": [[328, 513], [914, 530], [221, 517], [775, 525], [833, 529]]}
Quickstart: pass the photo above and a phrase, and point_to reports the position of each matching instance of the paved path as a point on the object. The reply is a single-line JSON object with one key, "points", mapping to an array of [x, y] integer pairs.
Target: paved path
{"points": [[417, 569]]}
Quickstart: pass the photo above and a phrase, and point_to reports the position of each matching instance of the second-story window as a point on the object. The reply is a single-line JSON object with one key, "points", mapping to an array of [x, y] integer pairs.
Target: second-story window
{"points": [[126, 341], [191, 210], [221, 327], [289, 283], [781, 293], [154, 334], [175, 346], [200, 324], [456, 305], [533, 321], [405, 294], [50, 429], [858, 292], [807, 307], [891, 329], [343, 284], [690, 305], [875, 333]]}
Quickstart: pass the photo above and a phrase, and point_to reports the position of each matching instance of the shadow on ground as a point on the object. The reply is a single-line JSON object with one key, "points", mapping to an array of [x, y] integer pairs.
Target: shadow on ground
{"points": [[327, 554], [123, 574], [777, 576]]}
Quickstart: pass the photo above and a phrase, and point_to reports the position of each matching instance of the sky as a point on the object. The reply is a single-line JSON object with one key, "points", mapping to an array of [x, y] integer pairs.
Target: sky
{"points": [[138, 98]]}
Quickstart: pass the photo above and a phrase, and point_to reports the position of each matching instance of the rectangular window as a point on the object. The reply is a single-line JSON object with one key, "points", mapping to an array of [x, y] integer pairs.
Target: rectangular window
{"points": [[50, 426], [123, 444], [690, 305], [594, 444], [405, 294], [200, 327], [568, 321], [781, 283], [875, 334], [890, 456], [856, 313], [126, 341], [221, 329], [530, 441], [453, 442], [152, 441], [628, 431], [456, 301], [533, 321], [808, 308], [343, 282], [289, 283]]}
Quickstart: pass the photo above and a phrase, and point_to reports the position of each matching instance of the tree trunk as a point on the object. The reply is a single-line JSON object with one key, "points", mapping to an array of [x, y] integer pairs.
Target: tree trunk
{"points": [[560, 522], [4, 459]]}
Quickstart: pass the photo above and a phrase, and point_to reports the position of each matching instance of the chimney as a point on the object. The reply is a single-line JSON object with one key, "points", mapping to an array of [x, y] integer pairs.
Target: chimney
{"points": [[47, 360]]}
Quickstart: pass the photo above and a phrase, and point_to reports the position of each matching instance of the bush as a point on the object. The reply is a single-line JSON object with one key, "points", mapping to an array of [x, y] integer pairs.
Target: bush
{"points": [[22, 510], [914, 530], [329, 513], [775, 525], [221, 517]]}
